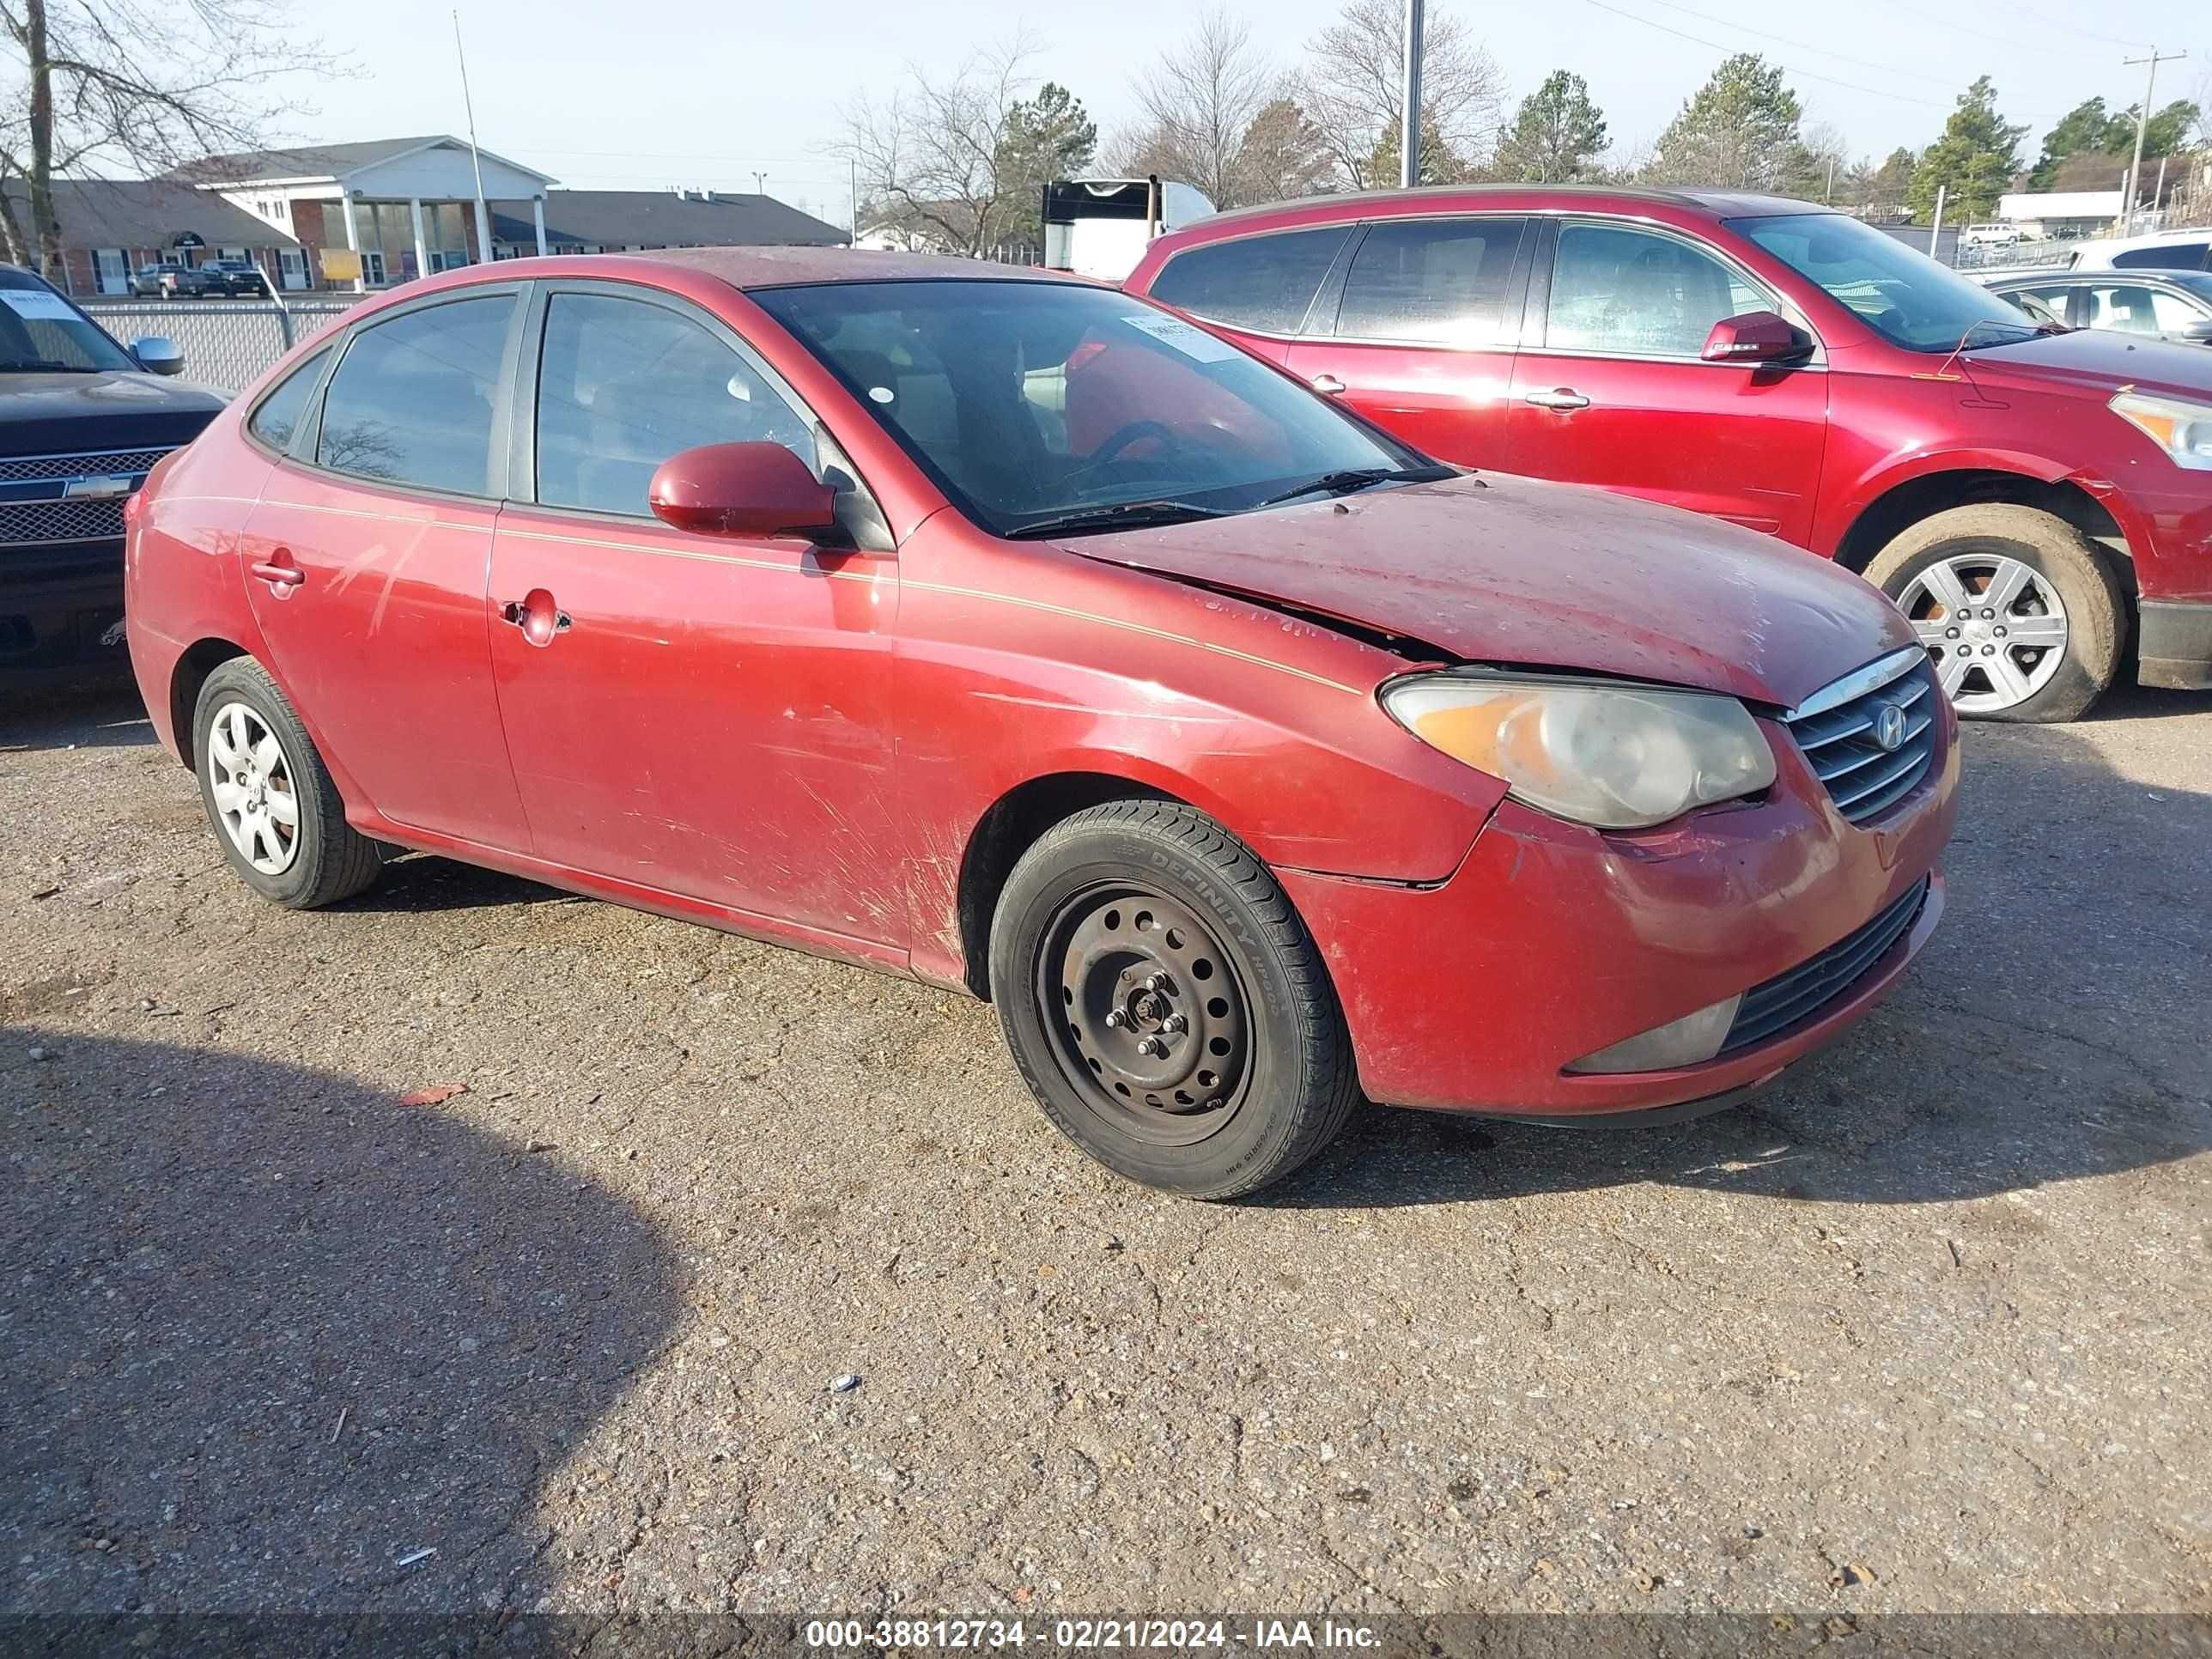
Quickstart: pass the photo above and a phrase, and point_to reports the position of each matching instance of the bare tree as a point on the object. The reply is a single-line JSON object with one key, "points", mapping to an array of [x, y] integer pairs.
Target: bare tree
{"points": [[1198, 102], [934, 162], [122, 84], [1351, 87]]}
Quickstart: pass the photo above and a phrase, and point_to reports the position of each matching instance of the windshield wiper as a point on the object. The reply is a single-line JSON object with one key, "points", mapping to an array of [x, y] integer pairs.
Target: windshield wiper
{"points": [[1345, 480], [1121, 515], [42, 365]]}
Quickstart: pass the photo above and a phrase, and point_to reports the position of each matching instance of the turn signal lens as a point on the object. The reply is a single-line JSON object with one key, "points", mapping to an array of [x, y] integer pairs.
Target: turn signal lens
{"points": [[1615, 757], [2183, 430]]}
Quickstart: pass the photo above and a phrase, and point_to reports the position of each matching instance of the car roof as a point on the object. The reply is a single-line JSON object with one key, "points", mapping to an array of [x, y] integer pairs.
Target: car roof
{"points": [[1429, 199], [776, 267]]}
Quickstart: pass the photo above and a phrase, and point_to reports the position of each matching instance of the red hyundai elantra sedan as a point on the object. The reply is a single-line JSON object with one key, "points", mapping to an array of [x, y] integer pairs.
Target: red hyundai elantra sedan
{"points": [[1011, 632]]}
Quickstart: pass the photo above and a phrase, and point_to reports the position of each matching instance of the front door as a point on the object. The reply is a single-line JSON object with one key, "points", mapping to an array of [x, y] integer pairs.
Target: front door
{"points": [[1423, 337], [366, 561], [703, 715], [1613, 391]]}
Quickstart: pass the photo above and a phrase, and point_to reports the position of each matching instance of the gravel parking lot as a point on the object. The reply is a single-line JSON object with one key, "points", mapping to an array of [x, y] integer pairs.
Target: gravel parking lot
{"points": [[1923, 1329]]}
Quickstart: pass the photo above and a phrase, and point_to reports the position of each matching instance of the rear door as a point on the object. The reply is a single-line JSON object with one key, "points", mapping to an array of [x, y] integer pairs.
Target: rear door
{"points": [[706, 715], [1420, 331], [1256, 291], [366, 555], [1613, 391]]}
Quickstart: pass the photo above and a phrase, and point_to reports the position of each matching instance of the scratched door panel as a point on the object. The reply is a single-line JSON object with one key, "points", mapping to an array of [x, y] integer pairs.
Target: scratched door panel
{"points": [[712, 721], [382, 641]]}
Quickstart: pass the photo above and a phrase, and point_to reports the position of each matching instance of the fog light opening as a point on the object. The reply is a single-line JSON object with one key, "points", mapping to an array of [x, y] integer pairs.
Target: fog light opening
{"points": [[1689, 1041]]}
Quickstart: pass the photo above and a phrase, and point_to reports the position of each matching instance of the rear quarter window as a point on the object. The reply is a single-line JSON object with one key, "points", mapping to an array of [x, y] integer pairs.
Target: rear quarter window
{"points": [[1265, 283], [2175, 256], [278, 417]]}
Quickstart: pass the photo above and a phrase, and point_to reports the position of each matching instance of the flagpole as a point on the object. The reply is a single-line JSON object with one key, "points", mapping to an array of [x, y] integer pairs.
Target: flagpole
{"points": [[468, 104]]}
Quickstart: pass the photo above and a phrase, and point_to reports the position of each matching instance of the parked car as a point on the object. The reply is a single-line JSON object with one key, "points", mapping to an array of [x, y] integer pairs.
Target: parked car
{"points": [[171, 281], [2158, 250], [236, 279], [82, 422], [2155, 305], [1989, 235], [2029, 496], [1003, 629]]}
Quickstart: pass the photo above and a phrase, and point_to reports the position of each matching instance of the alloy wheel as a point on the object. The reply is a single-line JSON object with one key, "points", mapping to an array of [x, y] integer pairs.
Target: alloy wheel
{"points": [[255, 797], [1995, 629], [1151, 1021]]}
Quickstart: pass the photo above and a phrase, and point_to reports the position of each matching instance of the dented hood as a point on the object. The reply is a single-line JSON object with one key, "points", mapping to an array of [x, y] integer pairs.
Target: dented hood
{"points": [[1511, 570]]}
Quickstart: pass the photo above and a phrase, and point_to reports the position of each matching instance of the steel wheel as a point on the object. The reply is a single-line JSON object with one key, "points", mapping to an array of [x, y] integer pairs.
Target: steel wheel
{"points": [[256, 800], [1152, 1022], [1995, 630]]}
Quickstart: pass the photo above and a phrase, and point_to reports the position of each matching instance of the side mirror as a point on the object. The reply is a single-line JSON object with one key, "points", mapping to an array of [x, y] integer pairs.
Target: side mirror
{"points": [[741, 489], [1757, 336], [157, 353], [2198, 332]]}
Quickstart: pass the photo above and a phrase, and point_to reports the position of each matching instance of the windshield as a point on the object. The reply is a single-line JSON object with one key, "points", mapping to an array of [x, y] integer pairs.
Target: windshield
{"points": [[1052, 408], [1904, 295], [41, 332]]}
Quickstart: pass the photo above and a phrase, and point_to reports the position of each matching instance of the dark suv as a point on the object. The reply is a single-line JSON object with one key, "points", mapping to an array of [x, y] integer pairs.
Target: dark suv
{"points": [[2030, 495], [235, 278], [82, 422]]}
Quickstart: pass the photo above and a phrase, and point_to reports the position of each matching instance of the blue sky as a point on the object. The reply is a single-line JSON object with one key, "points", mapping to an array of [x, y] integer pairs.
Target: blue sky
{"points": [[648, 95]]}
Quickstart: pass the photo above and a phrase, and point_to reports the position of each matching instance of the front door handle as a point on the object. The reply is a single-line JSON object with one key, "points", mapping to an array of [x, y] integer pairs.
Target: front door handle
{"points": [[1327, 384], [278, 570], [1562, 397], [536, 615]]}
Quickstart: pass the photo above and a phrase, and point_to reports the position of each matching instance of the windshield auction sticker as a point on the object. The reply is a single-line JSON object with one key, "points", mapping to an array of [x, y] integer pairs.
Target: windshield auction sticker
{"points": [[36, 303], [1191, 342]]}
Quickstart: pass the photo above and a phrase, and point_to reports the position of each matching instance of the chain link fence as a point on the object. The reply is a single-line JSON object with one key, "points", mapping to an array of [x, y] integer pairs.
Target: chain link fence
{"points": [[226, 344]]}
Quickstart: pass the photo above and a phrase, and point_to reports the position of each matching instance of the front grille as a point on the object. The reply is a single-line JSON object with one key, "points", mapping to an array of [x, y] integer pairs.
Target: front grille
{"points": [[23, 523], [19, 469], [1806, 990], [1841, 743]]}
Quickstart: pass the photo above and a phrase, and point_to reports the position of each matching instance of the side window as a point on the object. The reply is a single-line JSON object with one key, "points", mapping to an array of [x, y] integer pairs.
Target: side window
{"points": [[1263, 282], [2123, 308], [411, 402], [2173, 312], [1446, 281], [278, 417], [624, 384], [1639, 295], [2175, 256]]}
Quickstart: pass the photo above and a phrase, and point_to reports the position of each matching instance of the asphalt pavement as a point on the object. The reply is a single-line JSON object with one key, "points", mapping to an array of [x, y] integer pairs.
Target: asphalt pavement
{"points": [[1924, 1328]]}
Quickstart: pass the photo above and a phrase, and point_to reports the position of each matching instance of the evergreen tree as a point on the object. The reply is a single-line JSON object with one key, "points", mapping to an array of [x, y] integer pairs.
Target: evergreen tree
{"points": [[1973, 161], [1557, 135]]}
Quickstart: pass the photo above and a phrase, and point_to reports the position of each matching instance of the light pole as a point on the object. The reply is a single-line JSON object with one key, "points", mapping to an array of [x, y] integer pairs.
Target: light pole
{"points": [[1409, 114], [2142, 120]]}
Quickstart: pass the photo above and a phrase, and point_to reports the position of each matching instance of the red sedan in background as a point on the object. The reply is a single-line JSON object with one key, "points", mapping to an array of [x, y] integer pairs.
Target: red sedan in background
{"points": [[2027, 495], [1017, 634]]}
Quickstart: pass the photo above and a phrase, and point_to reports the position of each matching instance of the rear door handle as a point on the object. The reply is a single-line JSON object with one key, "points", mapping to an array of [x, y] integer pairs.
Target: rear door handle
{"points": [[278, 570], [1563, 398], [1327, 384]]}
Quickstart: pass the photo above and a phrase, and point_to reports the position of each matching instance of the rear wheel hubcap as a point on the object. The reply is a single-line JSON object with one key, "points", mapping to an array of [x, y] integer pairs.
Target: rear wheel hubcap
{"points": [[1152, 1024], [250, 778]]}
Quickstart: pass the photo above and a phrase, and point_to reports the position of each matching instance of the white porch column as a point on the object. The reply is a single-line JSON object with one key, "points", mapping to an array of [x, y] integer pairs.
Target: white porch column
{"points": [[422, 247], [483, 232], [353, 236], [537, 217]]}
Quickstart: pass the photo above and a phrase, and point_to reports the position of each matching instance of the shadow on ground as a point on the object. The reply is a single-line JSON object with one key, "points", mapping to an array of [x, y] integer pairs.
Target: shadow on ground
{"points": [[268, 1335]]}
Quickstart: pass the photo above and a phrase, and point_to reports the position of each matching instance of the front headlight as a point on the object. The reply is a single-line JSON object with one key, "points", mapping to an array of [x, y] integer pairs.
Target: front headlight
{"points": [[2183, 430], [1616, 757]]}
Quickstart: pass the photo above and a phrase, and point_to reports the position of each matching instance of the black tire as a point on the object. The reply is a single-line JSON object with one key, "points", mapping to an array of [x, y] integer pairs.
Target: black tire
{"points": [[1233, 954], [329, 860], [2095, 604]]}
